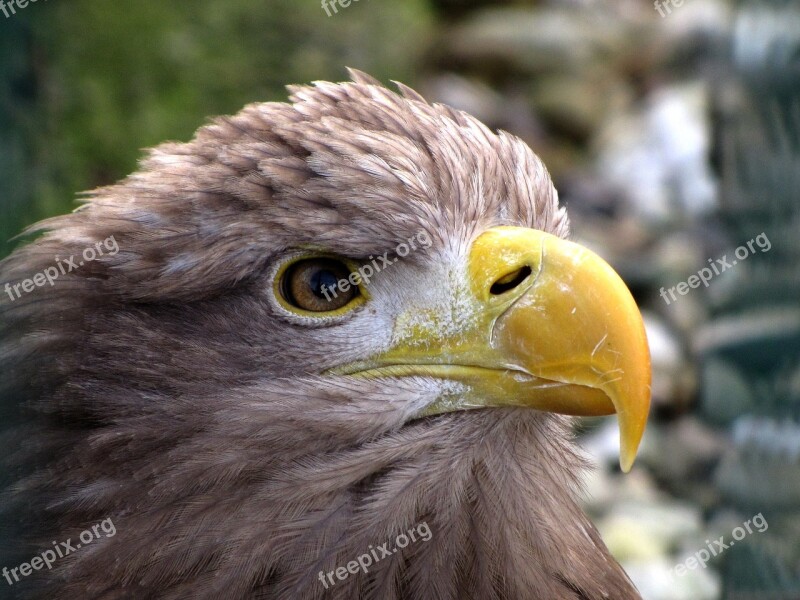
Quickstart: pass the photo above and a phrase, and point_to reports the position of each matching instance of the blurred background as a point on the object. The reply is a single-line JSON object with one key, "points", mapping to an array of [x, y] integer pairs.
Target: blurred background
{"points": [[672, 133]]}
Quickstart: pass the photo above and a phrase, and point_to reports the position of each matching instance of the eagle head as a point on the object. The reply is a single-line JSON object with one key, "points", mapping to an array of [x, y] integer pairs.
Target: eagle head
{"points": [[315, 326]]}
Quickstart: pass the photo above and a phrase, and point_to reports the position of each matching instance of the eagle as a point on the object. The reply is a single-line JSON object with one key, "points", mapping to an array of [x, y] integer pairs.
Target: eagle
{"points": [[318, 328]]}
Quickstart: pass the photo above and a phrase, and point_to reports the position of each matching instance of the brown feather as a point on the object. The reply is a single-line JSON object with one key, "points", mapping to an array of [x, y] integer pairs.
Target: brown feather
{"points": [[160, 388]]}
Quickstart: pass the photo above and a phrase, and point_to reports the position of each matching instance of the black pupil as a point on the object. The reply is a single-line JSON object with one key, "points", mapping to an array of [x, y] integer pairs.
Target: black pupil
{"points": [[323, 277]]}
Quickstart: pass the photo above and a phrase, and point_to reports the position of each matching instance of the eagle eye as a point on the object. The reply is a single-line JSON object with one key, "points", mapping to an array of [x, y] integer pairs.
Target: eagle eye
{"points": [[318, 285]]}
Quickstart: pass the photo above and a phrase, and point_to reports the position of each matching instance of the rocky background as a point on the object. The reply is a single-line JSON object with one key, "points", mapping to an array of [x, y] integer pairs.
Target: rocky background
{"points": [[673, 136], [673, 140]]}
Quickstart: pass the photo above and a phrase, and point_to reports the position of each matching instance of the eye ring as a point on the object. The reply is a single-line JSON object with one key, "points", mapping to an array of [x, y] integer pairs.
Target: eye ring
{"points": [[318, 286]]}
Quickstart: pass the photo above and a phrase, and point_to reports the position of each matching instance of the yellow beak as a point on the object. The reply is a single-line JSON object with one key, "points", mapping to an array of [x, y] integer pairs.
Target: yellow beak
{"points": [[548, 325], [576, 323]]}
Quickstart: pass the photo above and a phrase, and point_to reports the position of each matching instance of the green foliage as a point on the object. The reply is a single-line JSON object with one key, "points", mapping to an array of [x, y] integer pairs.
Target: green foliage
{"points": [[115, 77]]}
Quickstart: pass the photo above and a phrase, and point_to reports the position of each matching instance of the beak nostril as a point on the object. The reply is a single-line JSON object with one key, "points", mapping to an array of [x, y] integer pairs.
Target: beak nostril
{"points": [[510, 281]]}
